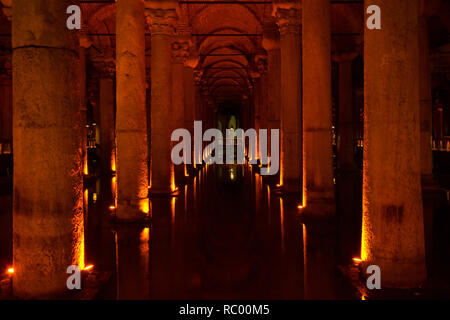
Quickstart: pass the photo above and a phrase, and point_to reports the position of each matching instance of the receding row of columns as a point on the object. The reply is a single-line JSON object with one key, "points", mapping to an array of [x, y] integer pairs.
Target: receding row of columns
{"points": [[48, 129]]}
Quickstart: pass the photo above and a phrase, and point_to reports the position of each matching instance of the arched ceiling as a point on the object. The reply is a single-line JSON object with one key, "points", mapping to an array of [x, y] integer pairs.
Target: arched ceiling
{"points": [[228, 36]]}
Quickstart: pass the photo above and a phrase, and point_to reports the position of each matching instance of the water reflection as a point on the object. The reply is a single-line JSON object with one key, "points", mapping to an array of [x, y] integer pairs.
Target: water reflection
{"points": [[225, 236]]}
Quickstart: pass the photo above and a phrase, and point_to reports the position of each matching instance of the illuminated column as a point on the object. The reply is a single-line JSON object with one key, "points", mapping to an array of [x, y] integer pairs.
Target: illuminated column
{"points": [[288, 20], [393, 230], [256, 104], [131, 114], [271, 43], [318, 186], [197, 110], [107, 134], [426, 103], [48, 234], [161, 23], [346, 123], [6, 106], [190, 94], [179, 55], [85, 43], [261, 65]]}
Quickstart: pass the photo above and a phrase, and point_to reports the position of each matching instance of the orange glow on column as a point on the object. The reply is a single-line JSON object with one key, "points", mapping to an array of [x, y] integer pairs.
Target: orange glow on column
{"points": [[145, 235], [113, 163], [365, 233], [144, 206], [172, 209]]}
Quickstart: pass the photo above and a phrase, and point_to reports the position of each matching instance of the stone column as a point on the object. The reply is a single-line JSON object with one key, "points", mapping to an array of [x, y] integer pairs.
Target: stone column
{"points": [[131, 114], [6, 107], [426, 102], [180, 48], [346, 121], [190, 96], [256, 107], [393, 230], [107, 134], [161, 21], [271, 43], [197, 113], [288, 20], [261, 65], [48, 228], [318, 186]]}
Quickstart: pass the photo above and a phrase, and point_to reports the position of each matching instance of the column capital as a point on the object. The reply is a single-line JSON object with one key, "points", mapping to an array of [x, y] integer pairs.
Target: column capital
{"points": [[288, 18], [7, 9], [271, 37], [180, 50], [84, 39], [198, 77], [261, 63], [161, 20]]}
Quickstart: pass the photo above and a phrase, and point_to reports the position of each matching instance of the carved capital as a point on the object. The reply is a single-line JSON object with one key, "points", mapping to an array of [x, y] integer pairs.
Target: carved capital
{"points": [[7, 9], [261, 63], [84, 39], [180, 51], [198, 77], [161, 21], [271, 37], [288, 20]]}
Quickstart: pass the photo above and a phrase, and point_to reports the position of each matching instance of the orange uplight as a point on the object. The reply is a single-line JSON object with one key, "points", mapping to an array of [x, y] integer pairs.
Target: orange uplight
{"points": [[10, 271], [112, 207], [145, 235], [356, 261], [300, 206], [89, 267]]}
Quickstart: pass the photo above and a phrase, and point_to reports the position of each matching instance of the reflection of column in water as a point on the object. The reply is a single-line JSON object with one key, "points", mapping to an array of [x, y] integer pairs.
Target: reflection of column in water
{"points": [[172, 219], [268, 206], [319, 263], [132, 263], [161, 247], [282, 224], [258, 195]]}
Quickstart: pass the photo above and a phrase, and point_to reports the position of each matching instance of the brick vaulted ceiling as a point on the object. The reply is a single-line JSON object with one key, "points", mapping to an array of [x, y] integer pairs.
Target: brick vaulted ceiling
{"points": [[227, 36]]}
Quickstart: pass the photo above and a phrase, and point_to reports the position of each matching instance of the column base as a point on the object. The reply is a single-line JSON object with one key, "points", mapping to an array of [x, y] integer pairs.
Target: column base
{"points": [[135, 210], [287, 189], [398, 275], [162, 193], [319, 208]]}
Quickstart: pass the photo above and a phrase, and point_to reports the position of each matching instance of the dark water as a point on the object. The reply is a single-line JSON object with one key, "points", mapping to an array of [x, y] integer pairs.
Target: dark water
{"points": [[226, 236]]}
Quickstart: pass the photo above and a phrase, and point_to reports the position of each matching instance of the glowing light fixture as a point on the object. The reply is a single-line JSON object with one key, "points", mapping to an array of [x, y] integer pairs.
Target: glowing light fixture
{"points": [[356, 261], [112, 207], [10, 271]]}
